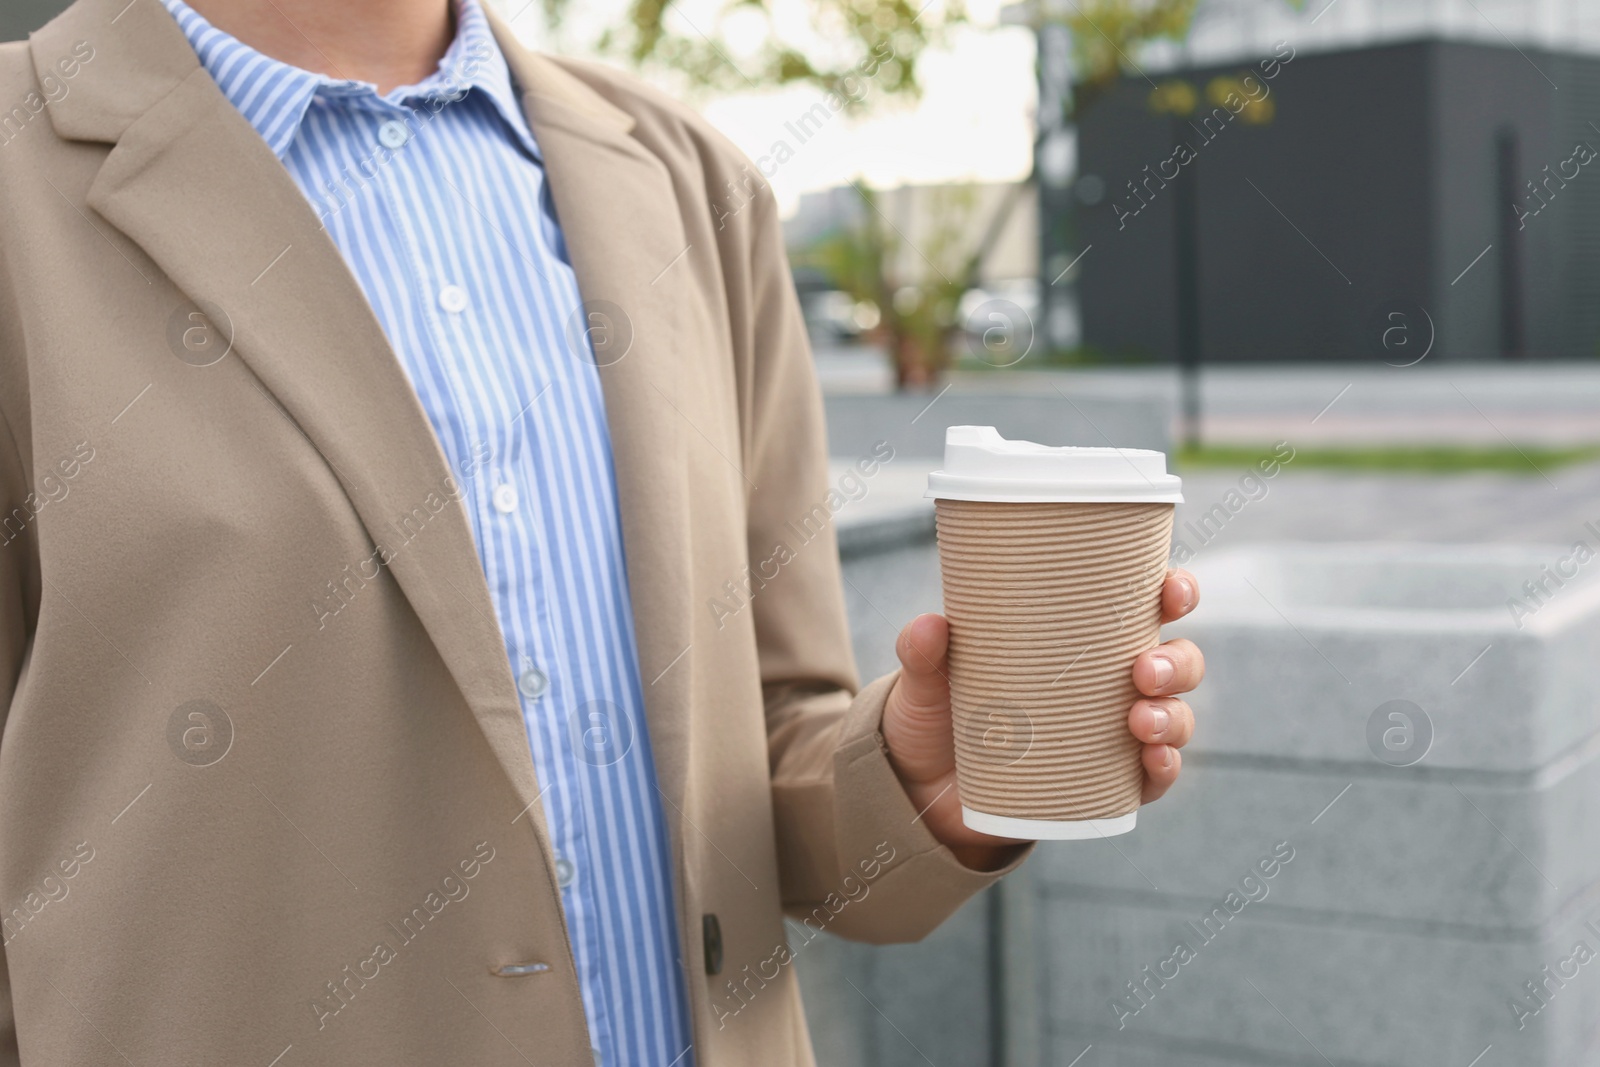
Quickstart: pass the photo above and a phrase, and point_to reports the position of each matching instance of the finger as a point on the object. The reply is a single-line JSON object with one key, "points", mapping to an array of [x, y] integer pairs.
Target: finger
{"points": [[1174, 667], [1161, 766], [1162, 721], [1179, 594], [921, 646]]}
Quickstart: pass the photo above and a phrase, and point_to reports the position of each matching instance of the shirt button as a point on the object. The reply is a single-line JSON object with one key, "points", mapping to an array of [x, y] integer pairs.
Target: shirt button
{"points": [[505, 498], [393, 134], [566, 871], [453, 299], [533, 683]]}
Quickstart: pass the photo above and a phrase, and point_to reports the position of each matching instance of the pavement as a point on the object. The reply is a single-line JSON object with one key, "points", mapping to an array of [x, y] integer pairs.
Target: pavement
{"points": [[1464, 403], [1539, 404], [1310, 505], [1319, 505]]}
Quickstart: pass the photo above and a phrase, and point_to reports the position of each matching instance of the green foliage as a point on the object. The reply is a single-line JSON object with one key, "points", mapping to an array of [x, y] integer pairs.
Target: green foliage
{"points": [[845, 35], [1107, 34], [1076, 357], [1528, 460], [853, 258], [916, 288]]}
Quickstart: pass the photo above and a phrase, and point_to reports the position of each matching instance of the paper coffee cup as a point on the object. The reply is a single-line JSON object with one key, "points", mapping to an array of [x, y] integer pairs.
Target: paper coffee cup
{"points": [[1053, 561]]}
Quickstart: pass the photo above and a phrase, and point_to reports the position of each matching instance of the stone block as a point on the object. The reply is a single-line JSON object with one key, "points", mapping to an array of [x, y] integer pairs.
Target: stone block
{"points": [[1304, 642], [1271, 987], [1484, 856]]}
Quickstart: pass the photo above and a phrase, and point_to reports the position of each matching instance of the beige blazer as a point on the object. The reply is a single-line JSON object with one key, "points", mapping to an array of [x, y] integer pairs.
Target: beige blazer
{"points": [[236, 829]]}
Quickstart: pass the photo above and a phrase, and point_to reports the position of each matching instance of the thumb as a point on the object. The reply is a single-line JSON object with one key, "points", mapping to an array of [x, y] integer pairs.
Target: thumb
{"points": [[924, 687]]}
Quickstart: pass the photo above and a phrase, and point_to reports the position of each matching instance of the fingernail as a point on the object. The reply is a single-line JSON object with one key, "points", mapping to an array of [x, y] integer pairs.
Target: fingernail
{"points": [[1161, 718], [1164, 669], [1168, 761], [1188, 593]]}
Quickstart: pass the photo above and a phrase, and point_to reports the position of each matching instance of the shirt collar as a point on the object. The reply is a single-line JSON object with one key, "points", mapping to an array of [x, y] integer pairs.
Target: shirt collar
{"points": [[274, 96]]}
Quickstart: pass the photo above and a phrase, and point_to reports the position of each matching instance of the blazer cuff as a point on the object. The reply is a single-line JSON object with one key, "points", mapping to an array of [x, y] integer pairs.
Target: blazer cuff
{"points": [[923, 882]]}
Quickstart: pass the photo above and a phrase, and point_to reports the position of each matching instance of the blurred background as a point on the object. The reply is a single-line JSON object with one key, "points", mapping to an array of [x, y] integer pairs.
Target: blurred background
{"points": [[1341, 260]]}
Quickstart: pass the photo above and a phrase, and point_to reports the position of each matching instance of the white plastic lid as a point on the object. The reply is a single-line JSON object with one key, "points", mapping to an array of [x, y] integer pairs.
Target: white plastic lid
{"points": [[979, 464]]}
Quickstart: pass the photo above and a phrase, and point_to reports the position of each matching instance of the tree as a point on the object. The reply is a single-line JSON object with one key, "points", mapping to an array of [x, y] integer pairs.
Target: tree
{"points": [[844, 33], [832, 44], [1107, 34], [915, 289], [838, 36]]}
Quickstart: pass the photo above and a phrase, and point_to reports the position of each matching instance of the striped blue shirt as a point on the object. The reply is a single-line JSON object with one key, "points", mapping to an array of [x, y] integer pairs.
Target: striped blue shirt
{"points": [[436, 195]]}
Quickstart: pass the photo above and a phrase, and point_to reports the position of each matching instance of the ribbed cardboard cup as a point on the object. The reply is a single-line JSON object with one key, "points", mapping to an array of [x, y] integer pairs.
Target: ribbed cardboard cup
{"points": [[1053, 561]]}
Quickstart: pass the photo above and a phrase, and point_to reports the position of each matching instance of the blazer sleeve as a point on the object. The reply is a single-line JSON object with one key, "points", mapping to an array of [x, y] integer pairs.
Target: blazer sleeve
{"points": [[18, 589], [16, 567], [846, 829]]}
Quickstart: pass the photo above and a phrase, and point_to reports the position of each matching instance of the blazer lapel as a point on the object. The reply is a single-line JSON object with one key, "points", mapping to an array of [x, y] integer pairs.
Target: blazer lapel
{"points": [[622, 222], [193, 185]]}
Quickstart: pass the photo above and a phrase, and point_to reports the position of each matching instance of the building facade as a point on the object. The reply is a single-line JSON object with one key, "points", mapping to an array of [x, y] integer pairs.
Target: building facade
{"points": [[1425, 198]]}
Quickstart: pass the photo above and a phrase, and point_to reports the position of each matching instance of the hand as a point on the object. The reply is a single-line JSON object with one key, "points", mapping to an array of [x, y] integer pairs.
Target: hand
{"points": [[921, 740]]}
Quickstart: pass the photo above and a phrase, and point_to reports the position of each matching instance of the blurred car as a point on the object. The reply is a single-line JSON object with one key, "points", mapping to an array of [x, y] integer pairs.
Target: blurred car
{"points": [[1021, 292], [831, 314]]}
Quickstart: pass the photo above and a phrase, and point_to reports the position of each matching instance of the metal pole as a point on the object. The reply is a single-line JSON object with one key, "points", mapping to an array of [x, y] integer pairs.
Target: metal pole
{"points": [[1053, 177], [1513, 330], [995, 909], [1186, 256]]}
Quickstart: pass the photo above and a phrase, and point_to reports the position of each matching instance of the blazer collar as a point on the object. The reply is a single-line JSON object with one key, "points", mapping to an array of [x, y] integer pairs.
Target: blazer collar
{"points": [[192, 184], [139, 57]]}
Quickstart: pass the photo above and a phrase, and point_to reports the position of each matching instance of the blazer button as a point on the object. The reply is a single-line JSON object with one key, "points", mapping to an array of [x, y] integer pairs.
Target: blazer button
{"points": [[711, 932]]}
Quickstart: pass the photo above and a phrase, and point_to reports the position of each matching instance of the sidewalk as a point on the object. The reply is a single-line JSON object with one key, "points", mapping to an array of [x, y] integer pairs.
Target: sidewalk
{"points": [[1317, 505], [1362, 404]]}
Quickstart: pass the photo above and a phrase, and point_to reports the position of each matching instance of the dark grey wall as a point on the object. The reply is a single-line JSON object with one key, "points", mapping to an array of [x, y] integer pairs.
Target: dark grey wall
{"points": [[1380, 165], [1126, 281], [18, 18], [1306, 224], [1577, 235], [1478, 92], [1339, 161]]}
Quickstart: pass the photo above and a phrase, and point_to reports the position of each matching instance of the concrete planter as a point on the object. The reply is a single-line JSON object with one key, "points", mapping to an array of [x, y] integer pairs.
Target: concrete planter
{"points": [[1440, 865], [1441, 860]]}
